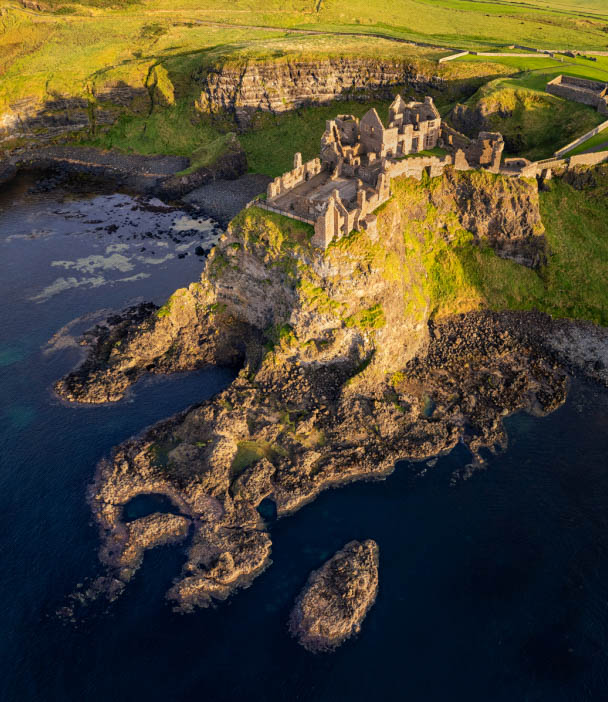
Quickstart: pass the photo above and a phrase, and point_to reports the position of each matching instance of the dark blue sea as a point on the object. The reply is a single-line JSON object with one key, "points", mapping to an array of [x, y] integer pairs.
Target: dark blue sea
{"points": [[493, 587]]}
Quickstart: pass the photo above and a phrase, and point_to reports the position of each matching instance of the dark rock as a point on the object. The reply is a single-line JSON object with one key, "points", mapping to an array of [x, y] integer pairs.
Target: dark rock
{"points": [[224, 199], [230, 165], [336, 598]]}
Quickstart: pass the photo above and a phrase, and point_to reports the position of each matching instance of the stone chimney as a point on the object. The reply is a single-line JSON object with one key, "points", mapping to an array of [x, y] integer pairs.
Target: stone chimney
{"points": [[297, 160]]}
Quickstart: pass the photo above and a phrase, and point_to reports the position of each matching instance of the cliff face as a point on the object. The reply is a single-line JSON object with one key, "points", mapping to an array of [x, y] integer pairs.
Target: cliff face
{"points": [[237, 90], [42, 119], [340, 378], [264, 283], [500, 212], [283, 86]]}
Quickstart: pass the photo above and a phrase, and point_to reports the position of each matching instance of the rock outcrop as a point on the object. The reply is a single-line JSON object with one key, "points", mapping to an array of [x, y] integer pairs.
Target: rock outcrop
{"points": [[336, 598], [158, 175], [500, 212], [279, 86], [7, 172], [42, 119], [342, 375], [231, 164]]}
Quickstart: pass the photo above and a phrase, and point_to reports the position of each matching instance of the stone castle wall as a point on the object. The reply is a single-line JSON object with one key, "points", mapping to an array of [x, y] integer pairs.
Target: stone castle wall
{"points": [[546, 166], [300, 173], [586, 92], [418, 166]]}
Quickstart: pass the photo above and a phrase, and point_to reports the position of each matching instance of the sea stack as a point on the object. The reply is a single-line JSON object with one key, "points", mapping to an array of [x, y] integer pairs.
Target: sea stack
{"points": [[336, 598]]}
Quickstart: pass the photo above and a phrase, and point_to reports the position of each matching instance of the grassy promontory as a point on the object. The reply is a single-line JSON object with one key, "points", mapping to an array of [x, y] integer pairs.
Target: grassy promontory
{"points": [[458, 275]]}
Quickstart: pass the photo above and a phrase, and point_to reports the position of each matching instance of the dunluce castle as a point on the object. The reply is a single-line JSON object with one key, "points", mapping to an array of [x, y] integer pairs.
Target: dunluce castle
{"points": [[340, 190]]}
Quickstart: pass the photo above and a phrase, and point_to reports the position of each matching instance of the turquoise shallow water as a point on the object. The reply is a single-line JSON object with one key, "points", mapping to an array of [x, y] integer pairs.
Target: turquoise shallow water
{"points": [[491, 588]]}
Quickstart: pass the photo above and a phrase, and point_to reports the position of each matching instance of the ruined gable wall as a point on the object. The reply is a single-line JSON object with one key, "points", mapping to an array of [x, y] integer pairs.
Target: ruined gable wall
{"points": [[453, 138], [289, 180]]}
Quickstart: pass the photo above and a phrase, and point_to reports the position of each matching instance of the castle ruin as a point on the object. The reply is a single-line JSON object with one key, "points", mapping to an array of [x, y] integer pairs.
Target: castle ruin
{"points": [[588, 92], [340, 190]]}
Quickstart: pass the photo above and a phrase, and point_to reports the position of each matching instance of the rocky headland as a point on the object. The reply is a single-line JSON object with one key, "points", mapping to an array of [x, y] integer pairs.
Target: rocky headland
{"points": [[343, 371], [168, 177], [336, 598]]}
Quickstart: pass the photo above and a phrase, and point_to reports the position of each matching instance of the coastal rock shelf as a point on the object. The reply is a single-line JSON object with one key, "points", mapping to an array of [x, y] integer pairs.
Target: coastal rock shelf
{"points": [[336, 598], [342, 374]]}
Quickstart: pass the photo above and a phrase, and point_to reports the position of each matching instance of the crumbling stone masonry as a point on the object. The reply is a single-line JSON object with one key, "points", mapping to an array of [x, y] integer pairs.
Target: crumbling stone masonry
{"points": [[340, 190], [587, 92]]}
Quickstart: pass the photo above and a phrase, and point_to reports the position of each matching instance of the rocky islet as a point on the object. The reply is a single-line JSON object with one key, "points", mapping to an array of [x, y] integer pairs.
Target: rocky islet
{"points": [[337, 597]]}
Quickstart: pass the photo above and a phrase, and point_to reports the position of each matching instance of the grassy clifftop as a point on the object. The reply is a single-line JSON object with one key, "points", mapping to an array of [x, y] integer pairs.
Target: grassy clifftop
{"points": [[140, 61], [533, 122], [460, 275], [546, 23]]}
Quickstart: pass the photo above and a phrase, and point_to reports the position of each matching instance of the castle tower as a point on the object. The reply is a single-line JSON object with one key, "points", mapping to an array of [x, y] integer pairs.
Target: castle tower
{"points": [[325, 226]]}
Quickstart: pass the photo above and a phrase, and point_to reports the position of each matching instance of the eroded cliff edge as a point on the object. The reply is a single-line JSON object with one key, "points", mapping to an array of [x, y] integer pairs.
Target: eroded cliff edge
{"points": [[282, 85], [341, 374]]}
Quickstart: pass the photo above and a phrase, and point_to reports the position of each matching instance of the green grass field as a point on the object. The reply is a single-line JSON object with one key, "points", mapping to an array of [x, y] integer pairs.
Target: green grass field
{"points": [[446, 22], [80, 49], [598, 142]]}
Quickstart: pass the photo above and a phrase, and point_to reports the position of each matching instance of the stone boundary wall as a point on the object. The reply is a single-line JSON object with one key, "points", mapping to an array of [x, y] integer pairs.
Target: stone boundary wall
{"points": [[586, 92], [549, 164], [265, 206], [509, 54], [451, 57], [576, 82], [581, 140], [593, 159]]}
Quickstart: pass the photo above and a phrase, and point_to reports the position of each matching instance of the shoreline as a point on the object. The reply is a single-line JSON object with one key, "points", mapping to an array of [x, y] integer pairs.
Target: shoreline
{"points": [[218, 515], [219, 193]]}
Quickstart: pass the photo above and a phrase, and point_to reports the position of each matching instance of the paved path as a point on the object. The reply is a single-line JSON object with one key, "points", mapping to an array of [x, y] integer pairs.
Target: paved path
{"points": [[598, 147]]}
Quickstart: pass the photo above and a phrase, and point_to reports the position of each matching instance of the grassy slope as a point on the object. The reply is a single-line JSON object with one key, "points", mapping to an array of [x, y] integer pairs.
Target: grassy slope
{"points": [[534, 123], [460, 276], [71, 49], [100, 43], [271, 144]]}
